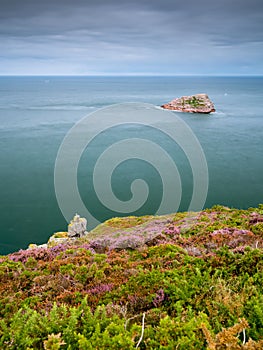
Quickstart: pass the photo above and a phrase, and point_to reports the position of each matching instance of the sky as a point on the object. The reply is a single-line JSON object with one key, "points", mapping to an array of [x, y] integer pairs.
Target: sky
{"points": [[131, 37]]}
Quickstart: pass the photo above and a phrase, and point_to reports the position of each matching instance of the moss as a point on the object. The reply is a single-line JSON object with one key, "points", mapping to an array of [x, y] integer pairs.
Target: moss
{"points": [[127, 222], [60, 235]]}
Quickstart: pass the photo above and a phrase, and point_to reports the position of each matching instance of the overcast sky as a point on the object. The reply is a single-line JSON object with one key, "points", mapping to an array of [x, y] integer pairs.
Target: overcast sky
{"points": [[170, 37]]}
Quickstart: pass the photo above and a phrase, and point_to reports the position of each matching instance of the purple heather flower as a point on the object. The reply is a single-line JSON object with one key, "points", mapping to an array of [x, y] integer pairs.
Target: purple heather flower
{"points": [[101, 288], [159, 298]]}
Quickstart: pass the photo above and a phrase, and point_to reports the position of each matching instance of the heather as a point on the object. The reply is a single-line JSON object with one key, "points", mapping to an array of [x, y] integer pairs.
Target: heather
{"points": [[179, 281]]}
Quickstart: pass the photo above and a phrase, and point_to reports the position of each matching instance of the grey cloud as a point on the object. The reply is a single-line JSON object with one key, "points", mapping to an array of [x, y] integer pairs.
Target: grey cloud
{"points": [[119, 35]]}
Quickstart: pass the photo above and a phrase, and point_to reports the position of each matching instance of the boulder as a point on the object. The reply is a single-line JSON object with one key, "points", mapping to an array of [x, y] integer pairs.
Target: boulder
{"points": [[77, 227], [199, 103]]}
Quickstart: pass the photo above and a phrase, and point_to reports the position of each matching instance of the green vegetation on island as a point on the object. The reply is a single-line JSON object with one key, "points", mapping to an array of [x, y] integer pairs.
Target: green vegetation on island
{"points": [[178, 281]]}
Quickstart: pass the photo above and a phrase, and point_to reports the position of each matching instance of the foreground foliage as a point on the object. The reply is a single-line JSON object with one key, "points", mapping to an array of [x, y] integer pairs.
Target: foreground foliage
{"points": [[183, 281]]}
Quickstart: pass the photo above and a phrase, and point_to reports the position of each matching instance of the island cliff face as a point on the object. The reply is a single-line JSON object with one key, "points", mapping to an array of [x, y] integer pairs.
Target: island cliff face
{"points": [[199, 103]]}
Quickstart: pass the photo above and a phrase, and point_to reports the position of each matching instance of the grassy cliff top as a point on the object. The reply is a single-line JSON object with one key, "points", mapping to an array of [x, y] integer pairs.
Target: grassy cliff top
{"points": [[178, 281]]}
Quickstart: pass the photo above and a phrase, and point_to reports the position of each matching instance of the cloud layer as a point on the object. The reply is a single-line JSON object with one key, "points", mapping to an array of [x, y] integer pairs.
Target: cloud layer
{"points": [[131, 37]]}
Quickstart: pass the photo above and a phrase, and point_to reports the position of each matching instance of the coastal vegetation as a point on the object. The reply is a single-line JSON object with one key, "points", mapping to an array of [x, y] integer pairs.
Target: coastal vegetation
{"points": [[178, 281], [194, 101]]}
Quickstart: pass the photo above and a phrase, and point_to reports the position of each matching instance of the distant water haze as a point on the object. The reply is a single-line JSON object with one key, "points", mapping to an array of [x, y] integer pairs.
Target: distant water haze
{"points": [[37, 112]]}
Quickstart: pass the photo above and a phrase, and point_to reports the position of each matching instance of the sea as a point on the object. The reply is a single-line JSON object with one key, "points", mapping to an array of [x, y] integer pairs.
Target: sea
{"points": [[37, 113]]}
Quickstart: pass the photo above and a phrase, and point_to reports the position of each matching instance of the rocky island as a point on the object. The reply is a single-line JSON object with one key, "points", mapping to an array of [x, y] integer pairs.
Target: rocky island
{"points": [[199, 103]]}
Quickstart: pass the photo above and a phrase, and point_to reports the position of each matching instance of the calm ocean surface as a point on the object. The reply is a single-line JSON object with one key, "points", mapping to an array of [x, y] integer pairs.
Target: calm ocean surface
{"points": [[37, 112]]}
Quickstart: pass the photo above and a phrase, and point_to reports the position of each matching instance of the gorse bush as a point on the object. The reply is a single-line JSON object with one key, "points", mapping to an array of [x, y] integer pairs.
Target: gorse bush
{"points": [[198, 285]]}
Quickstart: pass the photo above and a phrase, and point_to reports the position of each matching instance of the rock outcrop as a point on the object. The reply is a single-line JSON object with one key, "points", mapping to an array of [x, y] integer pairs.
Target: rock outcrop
{"points": [[77, 228], [199, 103]]}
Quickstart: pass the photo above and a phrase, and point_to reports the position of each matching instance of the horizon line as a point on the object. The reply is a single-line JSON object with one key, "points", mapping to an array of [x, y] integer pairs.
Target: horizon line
{"points": [[131, 75]]}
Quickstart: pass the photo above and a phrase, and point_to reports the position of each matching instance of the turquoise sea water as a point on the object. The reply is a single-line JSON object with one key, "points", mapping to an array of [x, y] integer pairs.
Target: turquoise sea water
{"points": [[37, 112]]}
